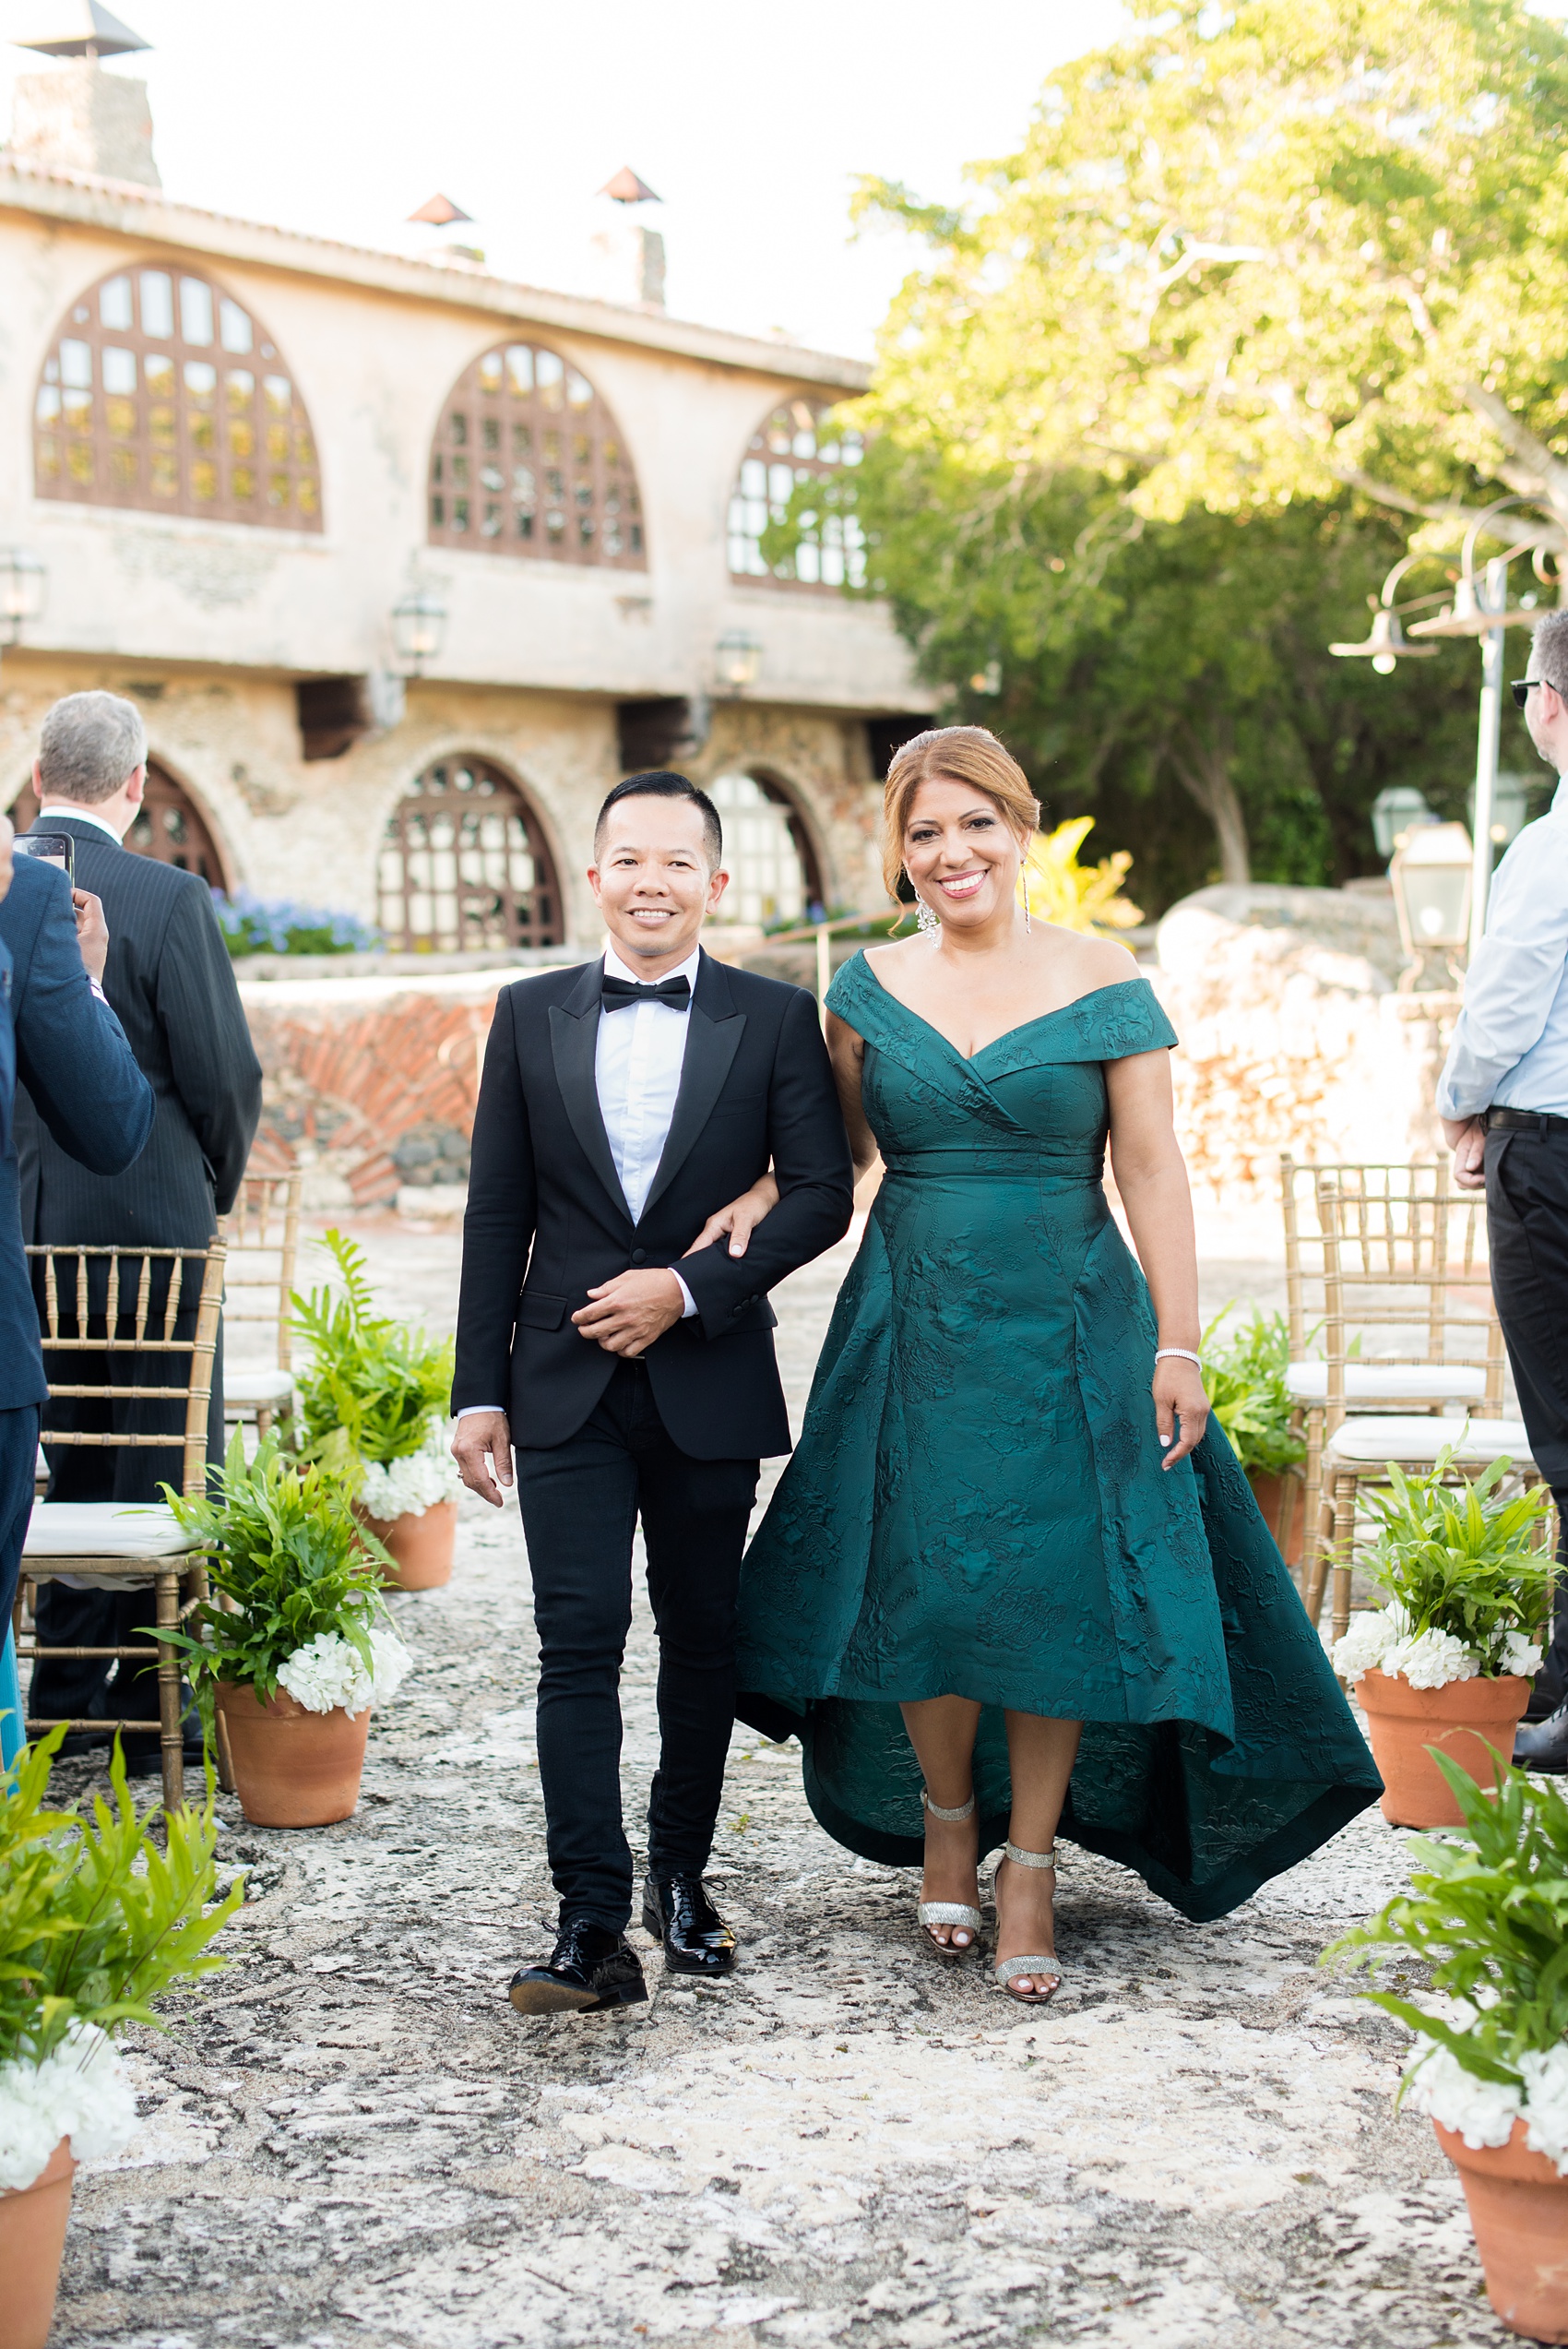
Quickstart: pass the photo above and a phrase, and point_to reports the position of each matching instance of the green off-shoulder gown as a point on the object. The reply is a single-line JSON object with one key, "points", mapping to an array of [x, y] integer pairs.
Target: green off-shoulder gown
{"points": [[976, 1506]]}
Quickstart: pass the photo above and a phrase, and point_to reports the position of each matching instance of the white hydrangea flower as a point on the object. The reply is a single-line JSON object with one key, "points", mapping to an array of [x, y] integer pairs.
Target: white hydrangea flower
{"points": [[1482, 2111], [329, 1672], [1432, 1660], [1545, 2104], [1514, 1652], [408, 1488], [1366, 1642], [79, 2091]]}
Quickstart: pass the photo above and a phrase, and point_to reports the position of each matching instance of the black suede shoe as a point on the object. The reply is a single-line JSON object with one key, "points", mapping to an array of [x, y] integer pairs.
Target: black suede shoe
{"points": [[1543, 1745], [677, 1910], [589, 1968]]}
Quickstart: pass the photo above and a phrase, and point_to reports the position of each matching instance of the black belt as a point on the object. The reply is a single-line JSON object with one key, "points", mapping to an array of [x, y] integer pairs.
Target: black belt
{"points": [[1542, 1121]]}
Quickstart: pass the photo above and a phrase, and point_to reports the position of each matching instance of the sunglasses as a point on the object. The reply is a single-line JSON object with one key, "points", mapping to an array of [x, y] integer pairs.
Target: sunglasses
{"points": [[1520, 688]]}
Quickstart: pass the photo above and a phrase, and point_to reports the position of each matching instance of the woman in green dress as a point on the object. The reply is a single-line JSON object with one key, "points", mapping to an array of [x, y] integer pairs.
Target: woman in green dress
{"points": [[1013, 1581]]}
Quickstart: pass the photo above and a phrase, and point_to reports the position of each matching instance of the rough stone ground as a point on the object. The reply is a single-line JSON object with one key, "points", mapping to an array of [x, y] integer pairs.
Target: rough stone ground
{"points": [[352, 2142]]}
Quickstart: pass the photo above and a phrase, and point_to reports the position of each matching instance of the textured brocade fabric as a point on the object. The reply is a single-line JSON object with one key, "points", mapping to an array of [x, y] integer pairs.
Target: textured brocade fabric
{"points": [[976, 1506]]}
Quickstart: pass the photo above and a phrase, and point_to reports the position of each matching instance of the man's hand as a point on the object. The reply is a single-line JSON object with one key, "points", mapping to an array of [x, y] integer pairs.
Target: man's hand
{"points": [[628, 1313], [482, 1449], [93, 933], [1465, 1137]]}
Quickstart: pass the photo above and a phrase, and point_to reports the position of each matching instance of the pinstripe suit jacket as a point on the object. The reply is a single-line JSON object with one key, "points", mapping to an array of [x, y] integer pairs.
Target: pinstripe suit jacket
{"points": [[171, 983]]}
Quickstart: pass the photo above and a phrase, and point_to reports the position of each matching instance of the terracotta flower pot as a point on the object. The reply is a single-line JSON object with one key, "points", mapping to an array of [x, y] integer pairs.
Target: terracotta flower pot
{"points": [[421, 1545], [1472, 1721], [32, 2238], [1518, 2208], [1281, 1500], [291, 1768]]}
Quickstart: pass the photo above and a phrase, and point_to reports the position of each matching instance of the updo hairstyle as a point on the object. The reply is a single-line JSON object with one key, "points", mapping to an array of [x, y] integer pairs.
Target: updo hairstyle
{"points": [[954, 755]]}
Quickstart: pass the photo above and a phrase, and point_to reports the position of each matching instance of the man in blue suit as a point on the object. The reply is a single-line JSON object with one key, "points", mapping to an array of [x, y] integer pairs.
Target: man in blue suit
{"points": [[58, 1035]]}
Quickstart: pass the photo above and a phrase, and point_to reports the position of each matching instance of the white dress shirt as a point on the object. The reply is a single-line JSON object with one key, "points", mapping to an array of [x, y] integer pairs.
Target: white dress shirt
{"points": [[82, 815], [636, 1074], [1510, 1047]]}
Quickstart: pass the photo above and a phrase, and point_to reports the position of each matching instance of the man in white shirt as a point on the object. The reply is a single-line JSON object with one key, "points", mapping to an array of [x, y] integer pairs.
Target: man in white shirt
{"points": [[1503, 1099], [609, 1338]]}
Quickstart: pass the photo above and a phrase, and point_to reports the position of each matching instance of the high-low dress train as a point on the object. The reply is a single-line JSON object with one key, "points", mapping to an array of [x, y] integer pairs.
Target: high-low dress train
{"points": [[976, 1506]]}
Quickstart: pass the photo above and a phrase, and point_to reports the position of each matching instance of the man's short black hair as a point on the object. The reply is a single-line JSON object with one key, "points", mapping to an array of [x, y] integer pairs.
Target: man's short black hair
{"points": [[661, 784]]}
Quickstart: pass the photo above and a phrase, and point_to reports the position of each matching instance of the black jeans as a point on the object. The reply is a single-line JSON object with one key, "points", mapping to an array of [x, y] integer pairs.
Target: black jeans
{"points": [[1526, 1202], [580, 1502]]}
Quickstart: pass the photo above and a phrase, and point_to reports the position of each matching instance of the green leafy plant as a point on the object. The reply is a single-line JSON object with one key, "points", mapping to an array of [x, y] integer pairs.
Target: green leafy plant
{"points": [[374, 1387], [1245, 1373], [1461, 1559], [98, 1916], [1488, 1914], [284, 1548]]}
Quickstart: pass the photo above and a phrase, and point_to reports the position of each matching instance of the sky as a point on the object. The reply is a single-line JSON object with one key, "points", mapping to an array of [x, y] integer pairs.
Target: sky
{"points": [[750, 121]]}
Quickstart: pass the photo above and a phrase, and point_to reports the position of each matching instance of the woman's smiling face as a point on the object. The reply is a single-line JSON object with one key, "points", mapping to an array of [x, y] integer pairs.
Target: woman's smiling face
{"points": [[960, 851]]}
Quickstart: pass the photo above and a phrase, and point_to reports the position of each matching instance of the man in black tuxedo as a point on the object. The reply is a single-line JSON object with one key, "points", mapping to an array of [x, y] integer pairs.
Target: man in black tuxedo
{"points": [[58, 1037], [623, 1107], [171, 983]]}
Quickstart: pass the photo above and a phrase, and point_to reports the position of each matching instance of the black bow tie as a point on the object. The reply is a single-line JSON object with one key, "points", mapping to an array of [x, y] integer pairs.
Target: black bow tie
{"points": [[614, 995]]}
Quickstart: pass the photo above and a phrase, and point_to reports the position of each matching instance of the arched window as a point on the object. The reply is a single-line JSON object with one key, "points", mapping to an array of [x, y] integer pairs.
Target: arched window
{"points": [[797, 473], [463, 865], [168, 826], [162, 392], [528, 459], [773, 875]]}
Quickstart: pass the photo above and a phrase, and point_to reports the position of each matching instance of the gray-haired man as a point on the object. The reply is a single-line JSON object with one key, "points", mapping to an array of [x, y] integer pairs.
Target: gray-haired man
{"points": [[171, 983], [1503, 1099]]}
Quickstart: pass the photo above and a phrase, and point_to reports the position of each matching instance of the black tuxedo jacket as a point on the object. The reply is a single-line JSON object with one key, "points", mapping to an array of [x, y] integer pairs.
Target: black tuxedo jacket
{"points": [[547, 1219], [171, 985]]}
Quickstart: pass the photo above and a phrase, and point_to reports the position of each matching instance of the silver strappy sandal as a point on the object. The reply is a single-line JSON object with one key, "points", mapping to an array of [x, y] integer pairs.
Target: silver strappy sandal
{"points": [[932, 1912], [1010, 1970]]}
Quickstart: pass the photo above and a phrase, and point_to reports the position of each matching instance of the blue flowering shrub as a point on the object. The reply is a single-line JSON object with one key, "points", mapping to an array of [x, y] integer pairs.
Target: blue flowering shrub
{"points": [[252, 926]]}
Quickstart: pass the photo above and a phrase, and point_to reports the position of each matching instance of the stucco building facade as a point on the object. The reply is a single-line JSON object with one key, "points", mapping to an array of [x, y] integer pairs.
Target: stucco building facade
{"points": [[238, 450]]}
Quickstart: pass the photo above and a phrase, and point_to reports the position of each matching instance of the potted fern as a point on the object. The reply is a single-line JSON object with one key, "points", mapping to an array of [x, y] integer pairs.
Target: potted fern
{"points": [[296, 1645], [374, 1401], [1487, 1912], [99, 1916], [1447, 1662], [1243, 1371]]}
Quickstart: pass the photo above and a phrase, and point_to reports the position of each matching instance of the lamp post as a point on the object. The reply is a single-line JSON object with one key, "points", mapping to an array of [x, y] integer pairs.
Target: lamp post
{"points": [[419, 627], [23, 581]]}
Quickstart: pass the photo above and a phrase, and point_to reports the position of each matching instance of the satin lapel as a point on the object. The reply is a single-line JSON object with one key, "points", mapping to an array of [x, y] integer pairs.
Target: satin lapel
{"points": [[714, 1028], [574, 1036]]}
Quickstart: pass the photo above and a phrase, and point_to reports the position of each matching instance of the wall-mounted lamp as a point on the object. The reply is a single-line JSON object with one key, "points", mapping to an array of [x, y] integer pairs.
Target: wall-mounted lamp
{"points": [[419, 627], [737, 660], [23, 581]]}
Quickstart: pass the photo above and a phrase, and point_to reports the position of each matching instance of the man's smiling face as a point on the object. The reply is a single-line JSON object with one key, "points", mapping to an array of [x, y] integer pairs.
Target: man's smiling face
{"points": [[652, 880]]}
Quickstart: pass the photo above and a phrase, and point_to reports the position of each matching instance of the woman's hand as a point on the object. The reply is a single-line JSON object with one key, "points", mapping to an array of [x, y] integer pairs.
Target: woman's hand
{"points": [[740, 1219], [1178, 1396]]}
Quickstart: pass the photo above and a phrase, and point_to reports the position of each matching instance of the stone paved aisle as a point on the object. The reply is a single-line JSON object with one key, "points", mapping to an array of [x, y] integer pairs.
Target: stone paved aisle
{"points": [[352, 2142]]}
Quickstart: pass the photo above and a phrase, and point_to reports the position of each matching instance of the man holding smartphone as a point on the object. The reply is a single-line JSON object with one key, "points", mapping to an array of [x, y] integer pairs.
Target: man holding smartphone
{"points": [[170, 979]]}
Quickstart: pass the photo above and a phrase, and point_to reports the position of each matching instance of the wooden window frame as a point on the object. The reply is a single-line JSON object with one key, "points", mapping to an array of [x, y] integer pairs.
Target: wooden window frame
{"points": [[131, 438], [788, 441], [530, 918], [491, 470], [151, 834]]}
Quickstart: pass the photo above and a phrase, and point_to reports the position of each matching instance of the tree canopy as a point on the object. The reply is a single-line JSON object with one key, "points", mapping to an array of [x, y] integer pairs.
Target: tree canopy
{"points": [[1156, 413]]}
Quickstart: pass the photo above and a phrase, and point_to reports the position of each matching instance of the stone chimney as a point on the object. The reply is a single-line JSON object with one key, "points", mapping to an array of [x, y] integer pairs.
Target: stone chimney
{"points": [[627, 259], [78, 118]]}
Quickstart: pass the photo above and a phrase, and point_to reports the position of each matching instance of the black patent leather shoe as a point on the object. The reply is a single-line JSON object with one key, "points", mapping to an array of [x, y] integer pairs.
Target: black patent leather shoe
{"points": [[589, 1968], [677, 1910], [1543, 1745]]}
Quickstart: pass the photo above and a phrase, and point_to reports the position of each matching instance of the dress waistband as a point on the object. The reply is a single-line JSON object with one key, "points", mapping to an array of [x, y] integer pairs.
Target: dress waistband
{"points": [[1040, 1161]]}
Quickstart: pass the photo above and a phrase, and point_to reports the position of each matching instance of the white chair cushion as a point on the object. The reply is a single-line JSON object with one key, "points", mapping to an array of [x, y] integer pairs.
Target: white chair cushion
{"points": [[80, 1531], [268, 1389], [1411, 1382], [1363, 1443]]}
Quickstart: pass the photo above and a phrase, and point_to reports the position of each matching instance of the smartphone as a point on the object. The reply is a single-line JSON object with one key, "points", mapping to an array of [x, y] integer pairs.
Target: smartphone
{"points": [[54, 848]]}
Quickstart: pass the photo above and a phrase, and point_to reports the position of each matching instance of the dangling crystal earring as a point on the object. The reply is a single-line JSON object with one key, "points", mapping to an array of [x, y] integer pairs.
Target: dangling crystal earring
{"points": [[925, 920], [1028, 925]]}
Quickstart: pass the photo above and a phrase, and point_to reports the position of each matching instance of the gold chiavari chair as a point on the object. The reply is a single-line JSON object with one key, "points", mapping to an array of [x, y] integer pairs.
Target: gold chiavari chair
{"points": [[96, 1304], [1406, 1275], [264, 1239], [1364, 1384]]}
